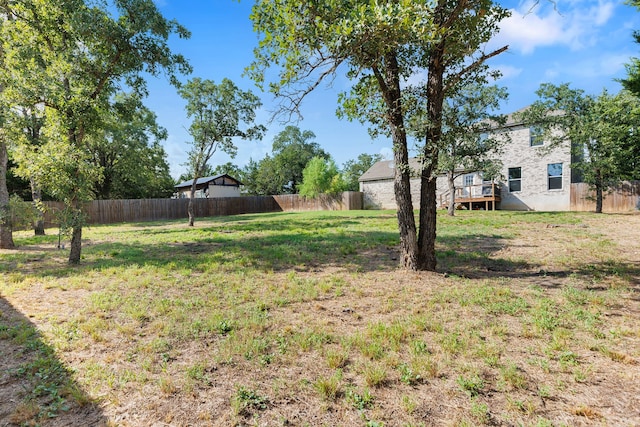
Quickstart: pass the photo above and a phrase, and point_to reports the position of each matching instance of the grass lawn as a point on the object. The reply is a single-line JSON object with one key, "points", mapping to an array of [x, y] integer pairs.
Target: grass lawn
{"points": [[295, 319]]}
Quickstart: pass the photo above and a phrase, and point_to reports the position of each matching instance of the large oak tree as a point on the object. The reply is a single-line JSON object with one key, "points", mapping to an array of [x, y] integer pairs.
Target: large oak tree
{"points": [[72, 56], [381, 45], [220, 113]]}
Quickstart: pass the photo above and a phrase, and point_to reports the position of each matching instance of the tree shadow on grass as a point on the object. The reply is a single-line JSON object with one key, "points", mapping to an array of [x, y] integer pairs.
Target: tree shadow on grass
{"points": [[474, 257], [282, 245], [35, 386], [235, 249], [287, 242]]}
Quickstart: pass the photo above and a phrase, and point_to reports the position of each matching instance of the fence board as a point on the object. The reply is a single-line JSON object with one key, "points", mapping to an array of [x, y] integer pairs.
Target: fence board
{"points": [[142, 210], [623, 198]]}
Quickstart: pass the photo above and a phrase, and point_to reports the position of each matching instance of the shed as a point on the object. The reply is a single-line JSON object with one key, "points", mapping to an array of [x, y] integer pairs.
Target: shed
{"points": [[223, 185]]}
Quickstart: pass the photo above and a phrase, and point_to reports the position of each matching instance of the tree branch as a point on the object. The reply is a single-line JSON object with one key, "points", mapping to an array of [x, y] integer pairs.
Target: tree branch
{"points": [[459, 75], [454, 14]]}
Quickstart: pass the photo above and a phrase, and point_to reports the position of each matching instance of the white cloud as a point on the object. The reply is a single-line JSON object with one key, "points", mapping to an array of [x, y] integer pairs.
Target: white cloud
{"points": [[575, 25], [525, 32], [603, 12], [386, 153], [602, 67]]}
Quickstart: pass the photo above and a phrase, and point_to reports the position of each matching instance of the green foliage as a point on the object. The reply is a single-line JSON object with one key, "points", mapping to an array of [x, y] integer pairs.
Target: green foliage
{"points": [[472, 385], [21, 214], [246, 400], [230, 169], [64, 170], [407, 375], [381, 44], [127, 149], [321, 176], [352, 170], [281, 173], [220, 113], [471, 133], [632, 82], [360, 401], [50, 382], [64, 61], [329, 388], [16, 184]]}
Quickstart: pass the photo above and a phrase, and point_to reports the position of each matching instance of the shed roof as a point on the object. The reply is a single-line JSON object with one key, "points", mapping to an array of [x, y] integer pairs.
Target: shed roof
{"points": [[207, 180]]}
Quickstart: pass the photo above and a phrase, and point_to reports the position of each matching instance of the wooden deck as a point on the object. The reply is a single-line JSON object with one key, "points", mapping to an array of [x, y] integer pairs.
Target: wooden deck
{"points": [[474, 197]]}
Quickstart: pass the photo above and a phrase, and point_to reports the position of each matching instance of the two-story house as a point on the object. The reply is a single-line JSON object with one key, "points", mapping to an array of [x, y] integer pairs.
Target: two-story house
{"points": [[534, 176]]}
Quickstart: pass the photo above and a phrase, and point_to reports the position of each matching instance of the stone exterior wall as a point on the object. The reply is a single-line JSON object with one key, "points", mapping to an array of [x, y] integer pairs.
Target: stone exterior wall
{"points": [[379, 194], [534, 193]]}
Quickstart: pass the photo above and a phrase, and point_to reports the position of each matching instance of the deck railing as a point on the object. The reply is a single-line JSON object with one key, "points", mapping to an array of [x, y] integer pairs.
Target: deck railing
{"points": [[473, 193]]}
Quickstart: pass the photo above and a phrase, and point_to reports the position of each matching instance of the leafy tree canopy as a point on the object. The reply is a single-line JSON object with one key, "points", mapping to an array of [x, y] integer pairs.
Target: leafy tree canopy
{"points": [[352, 170], [321, 176], [381, 45], [220, 113], [127, 149], [71, 57], [471, 136], [632, 82], [281, 173]]}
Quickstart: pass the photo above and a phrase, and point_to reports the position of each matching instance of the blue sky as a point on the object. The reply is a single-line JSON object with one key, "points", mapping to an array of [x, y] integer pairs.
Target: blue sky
{"points": [[583, 42]]}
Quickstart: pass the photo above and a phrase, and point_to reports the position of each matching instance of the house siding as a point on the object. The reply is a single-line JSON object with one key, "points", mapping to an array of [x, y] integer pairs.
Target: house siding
{"points": [[223, 190], [534, 194], [380, 195]]}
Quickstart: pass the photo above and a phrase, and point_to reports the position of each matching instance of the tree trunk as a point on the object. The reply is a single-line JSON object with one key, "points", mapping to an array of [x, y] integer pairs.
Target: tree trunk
{"points": [[451, 210], [6, 234], [75, 138], [36, 195], [192, 216], [389, 84], [427, 233], [76, 245], [428, 199], [406, 218], [599, 191]]}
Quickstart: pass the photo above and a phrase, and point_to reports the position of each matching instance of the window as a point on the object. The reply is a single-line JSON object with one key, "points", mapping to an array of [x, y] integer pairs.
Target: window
{"points": [[535, 136], [515, 179], [554, 176], [468, 180]]}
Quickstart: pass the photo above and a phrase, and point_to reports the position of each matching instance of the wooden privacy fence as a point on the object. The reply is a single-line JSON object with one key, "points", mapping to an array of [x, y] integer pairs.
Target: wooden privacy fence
{"points": [[141, 210], [623, 198]]}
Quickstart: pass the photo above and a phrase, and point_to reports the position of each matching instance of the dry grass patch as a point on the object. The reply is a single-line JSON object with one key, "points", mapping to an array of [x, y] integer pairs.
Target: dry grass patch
{"points": [[305, 319]]}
